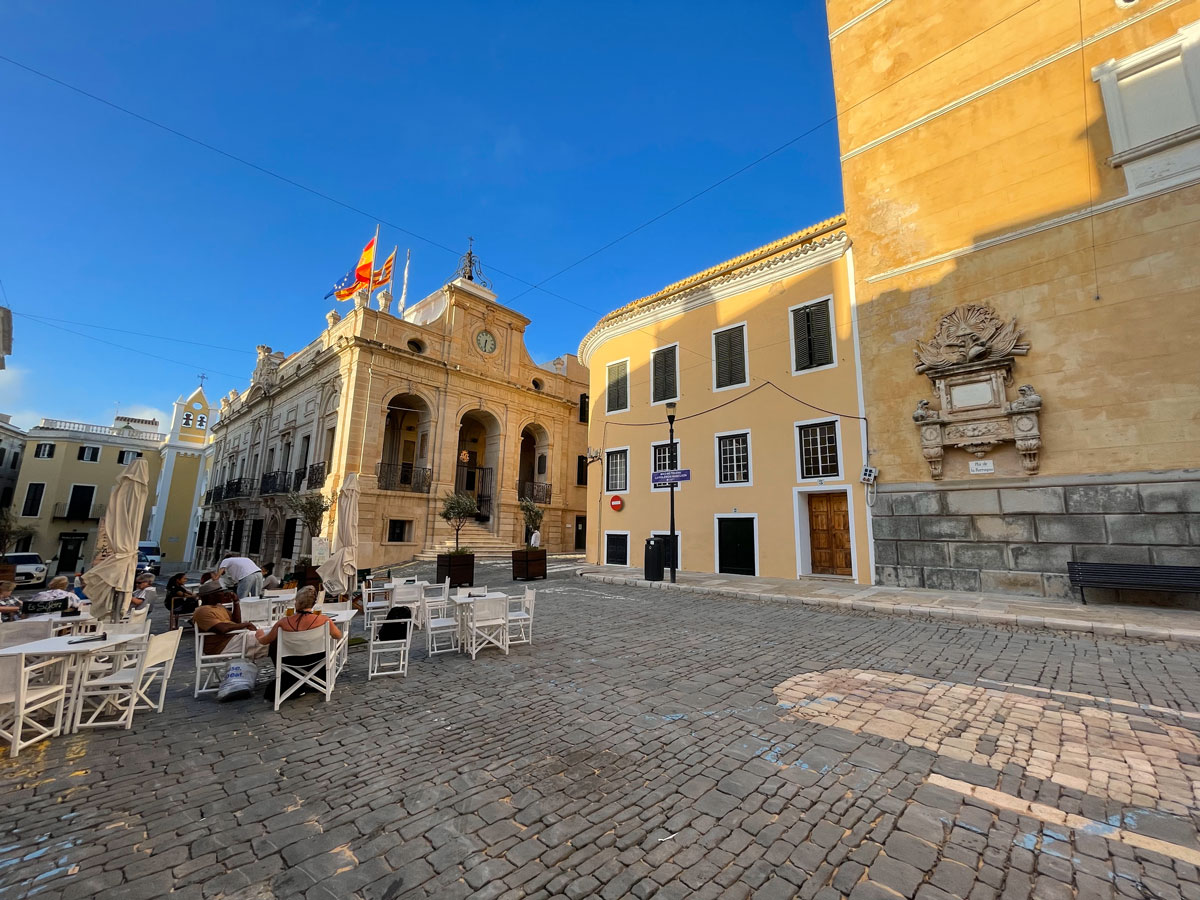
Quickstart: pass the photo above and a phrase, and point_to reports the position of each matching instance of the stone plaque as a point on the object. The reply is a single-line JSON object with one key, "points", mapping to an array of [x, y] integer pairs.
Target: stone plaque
{"points": [[973, 393], [981, 467]]}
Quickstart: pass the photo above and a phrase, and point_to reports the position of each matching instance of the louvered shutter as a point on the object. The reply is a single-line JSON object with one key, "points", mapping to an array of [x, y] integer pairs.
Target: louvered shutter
{"points": [[618, 387], [800, 338], [811, 337], [731, 357], [664, 375]]}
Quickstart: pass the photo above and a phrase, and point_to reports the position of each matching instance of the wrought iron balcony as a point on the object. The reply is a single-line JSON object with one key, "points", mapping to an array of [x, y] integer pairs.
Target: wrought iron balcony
{"points": [[298, 478], [78, 512], [238, 487], [404, 477], [316, 476], [275, 483], [537, 491]]}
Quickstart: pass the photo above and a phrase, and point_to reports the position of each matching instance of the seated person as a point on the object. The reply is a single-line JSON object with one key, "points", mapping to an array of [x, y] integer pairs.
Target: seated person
{"points": [[180, 601], [304, 620], [270, 579], [55, 598], [10, 607], [143, 592], [225, 631]]}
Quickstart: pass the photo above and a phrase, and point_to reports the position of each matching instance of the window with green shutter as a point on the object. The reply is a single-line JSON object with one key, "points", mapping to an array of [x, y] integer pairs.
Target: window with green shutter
{"points": [[664, 371], [729, 357], [812, 338], [618, 387]]}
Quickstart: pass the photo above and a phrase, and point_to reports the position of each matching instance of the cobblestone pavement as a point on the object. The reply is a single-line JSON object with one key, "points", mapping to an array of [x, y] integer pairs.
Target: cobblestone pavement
{"points": [[649, 744]]}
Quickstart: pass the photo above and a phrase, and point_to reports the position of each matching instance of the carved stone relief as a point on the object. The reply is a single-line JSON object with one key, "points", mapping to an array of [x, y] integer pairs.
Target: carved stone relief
{"points": [[969, 361]]}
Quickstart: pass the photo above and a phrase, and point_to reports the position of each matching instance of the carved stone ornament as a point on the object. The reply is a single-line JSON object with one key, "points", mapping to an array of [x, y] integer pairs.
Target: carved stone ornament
{"points": [[384, 301], [969, 361], [333, 317], [362, 298]]}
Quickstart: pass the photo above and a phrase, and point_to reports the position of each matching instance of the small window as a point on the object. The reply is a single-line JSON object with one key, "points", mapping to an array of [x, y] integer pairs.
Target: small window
{"points": [[6, 496], [416, 346], [733, 458], [819, 451], [618, 387], [616, 549], [664, 458], [616, 468], [400, 531], [729, 358], [584, 403], [812, 336], [201, 422], [541, 464], [16, 460], [664, 375], [537, 384], [125, 457], [3, 450], [33, 499], [581, 470], [187, 420], [43, 451], [89, 454]]}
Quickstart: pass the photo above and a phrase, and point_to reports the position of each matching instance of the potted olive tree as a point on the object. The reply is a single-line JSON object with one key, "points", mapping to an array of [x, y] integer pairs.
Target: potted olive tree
{"points": [[310, 508], [459, 564], [530, 562]]}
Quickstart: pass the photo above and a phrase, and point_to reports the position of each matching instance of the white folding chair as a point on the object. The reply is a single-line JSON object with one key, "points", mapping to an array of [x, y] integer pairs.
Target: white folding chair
{"points": [[487, 625], [441, 625], [210, 667], [13, 633], [432, 592], [124, 655], [328, 608], [138, 616], [520, 617], [110, 700], [390, 656], [27, 689], [255, 609], [320, 674]]}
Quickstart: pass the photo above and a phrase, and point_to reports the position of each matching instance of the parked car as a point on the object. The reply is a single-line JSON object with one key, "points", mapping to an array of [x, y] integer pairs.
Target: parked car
{"points": [[153, 553], [31, 570], [144, 564]]}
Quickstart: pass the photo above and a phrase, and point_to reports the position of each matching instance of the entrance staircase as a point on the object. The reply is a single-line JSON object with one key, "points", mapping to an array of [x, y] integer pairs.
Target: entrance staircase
{"points": [[482, 542]]}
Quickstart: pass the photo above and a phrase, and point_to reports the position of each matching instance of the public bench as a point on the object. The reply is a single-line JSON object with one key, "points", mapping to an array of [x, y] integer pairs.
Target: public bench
{"points": [[1133, 577]]}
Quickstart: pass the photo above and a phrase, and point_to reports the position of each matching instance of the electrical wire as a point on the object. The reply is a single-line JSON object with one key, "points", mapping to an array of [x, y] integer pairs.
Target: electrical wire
{"points": [[157, 337]]}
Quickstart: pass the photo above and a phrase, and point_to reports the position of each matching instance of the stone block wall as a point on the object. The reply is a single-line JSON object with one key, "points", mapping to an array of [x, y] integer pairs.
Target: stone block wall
{"points": [[1019, 539]]}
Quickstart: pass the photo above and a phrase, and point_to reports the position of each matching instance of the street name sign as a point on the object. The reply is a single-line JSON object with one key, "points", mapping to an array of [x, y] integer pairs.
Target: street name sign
{"points": [[670, 476]]}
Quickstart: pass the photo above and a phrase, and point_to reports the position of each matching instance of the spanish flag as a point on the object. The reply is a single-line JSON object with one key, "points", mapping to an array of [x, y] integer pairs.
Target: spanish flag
{"points": [[384, 275], [366, 262]]}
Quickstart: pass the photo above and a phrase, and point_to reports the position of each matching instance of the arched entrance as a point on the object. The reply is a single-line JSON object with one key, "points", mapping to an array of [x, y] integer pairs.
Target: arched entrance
{"points": [[404, 464], [478, 459], [533, 471]]}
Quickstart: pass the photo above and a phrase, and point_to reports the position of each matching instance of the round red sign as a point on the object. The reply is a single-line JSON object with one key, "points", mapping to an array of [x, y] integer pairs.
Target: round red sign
{"points": [[616, 503]]}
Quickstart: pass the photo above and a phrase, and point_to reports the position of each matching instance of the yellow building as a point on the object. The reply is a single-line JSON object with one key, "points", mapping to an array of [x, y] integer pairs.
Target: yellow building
{"points": [[759, 356], [181, 481], [1024, 184]]}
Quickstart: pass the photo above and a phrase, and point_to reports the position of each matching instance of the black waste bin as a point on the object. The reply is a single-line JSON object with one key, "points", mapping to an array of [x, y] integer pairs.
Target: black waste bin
{"points": [[655, 551]]}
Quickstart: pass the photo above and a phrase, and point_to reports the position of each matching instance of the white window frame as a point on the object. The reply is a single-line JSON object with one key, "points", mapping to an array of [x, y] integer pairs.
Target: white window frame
{"points": [[662, 488], [674, 399], [37, 450], [628, 386], [679, 539], [95, 447], [41, 500], [121, 454], [712, 346], [387, 524], [717, 540], [628, 470], [804, 537], [837, 433], [832, 336], [628, 549], [717, 458]]}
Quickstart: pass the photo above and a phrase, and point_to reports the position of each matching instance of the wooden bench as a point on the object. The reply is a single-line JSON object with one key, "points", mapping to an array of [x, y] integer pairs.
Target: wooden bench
{"points": [[1133, 578]]}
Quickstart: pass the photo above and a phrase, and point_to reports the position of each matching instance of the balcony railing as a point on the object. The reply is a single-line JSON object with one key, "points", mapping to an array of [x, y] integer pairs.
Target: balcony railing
{"points": [[316, 476], [537, 491], [298, 479], [238, 487], [404, 477], [68, 510], [275, 483]]}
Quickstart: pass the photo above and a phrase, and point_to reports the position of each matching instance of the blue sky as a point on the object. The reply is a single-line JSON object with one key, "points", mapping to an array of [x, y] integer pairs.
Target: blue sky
{"points": [[544, 130]]}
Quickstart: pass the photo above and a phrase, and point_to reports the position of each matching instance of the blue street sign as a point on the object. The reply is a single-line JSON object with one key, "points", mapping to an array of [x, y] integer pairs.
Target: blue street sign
{"points": [[670, 476]]}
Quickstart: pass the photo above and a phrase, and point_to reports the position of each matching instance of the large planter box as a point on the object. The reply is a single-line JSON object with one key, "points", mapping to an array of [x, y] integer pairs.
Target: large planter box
{"points": [[8, 573], [528, 564], [458, 567]]}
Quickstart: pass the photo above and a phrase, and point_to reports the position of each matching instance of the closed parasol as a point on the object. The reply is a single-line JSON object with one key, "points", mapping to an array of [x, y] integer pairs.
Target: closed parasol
{"points": [[340, 571], [111, 574]]}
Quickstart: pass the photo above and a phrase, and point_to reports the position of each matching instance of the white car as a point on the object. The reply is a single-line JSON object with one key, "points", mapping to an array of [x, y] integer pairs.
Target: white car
{"points": [[31, 571], [153, 554]]}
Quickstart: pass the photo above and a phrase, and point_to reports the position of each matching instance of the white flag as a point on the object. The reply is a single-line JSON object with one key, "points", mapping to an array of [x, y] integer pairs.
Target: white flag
{"points": [[404, 288]]}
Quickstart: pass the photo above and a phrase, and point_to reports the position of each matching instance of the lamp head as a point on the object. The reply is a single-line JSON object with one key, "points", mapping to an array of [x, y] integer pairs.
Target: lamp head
{"points": [[671, 412]]}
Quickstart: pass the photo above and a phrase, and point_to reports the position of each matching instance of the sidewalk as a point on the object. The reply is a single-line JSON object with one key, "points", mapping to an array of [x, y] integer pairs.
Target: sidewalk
{"points": [[1106, 619]]}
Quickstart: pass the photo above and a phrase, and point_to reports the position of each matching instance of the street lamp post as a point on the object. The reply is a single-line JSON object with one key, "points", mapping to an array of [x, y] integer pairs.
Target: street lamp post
{"points": [[674, 465]]}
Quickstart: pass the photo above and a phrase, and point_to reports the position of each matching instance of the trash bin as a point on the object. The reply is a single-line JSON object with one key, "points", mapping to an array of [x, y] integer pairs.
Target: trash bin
{"points": [[654, 558]]}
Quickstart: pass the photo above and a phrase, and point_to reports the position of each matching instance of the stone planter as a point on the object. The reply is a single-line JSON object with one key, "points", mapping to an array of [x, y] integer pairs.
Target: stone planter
{"points": [[458, 567], [527, 564]]}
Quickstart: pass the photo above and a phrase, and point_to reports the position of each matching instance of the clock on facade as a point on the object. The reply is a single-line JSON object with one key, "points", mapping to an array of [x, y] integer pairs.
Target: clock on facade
{"points": [[486, 342]]}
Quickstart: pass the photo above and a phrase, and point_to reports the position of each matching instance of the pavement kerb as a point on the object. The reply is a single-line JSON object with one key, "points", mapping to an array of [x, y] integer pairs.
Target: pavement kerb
{"points": [[948, 613]]}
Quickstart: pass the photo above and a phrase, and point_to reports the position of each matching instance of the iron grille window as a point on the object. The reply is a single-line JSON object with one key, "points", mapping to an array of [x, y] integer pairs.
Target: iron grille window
{"points": [[819, 451], [664, 372], [581, 467], [618, 387], [733, 458], [665, 457], [812, 340], [43, 451], [617, 470], [729, 352], [616, 549]]}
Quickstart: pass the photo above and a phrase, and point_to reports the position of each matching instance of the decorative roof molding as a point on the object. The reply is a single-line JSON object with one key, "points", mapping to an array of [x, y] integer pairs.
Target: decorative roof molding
{"points": [[751, 270]]}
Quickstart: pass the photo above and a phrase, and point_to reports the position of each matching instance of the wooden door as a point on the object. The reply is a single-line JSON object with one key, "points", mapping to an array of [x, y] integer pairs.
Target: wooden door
{"points": [[829, 534]]}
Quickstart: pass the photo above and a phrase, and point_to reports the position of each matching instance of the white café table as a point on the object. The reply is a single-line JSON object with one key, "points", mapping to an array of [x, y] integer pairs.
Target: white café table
{"points": [[79, 650], [342, 619], [81, 622], [462, 608], [380, 598]]}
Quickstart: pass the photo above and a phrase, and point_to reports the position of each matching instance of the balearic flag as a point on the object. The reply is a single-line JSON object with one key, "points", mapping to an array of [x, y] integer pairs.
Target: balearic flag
{"points": [[384, 275]]}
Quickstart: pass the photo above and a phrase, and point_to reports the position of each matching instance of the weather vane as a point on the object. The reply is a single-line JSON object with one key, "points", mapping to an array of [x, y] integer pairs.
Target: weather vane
{"points": [[468, 266]]}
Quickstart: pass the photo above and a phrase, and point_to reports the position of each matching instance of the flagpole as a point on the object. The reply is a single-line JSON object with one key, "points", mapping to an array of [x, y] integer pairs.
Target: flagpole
{"points": [[371, 277], [404, 290], [392, 274]]}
